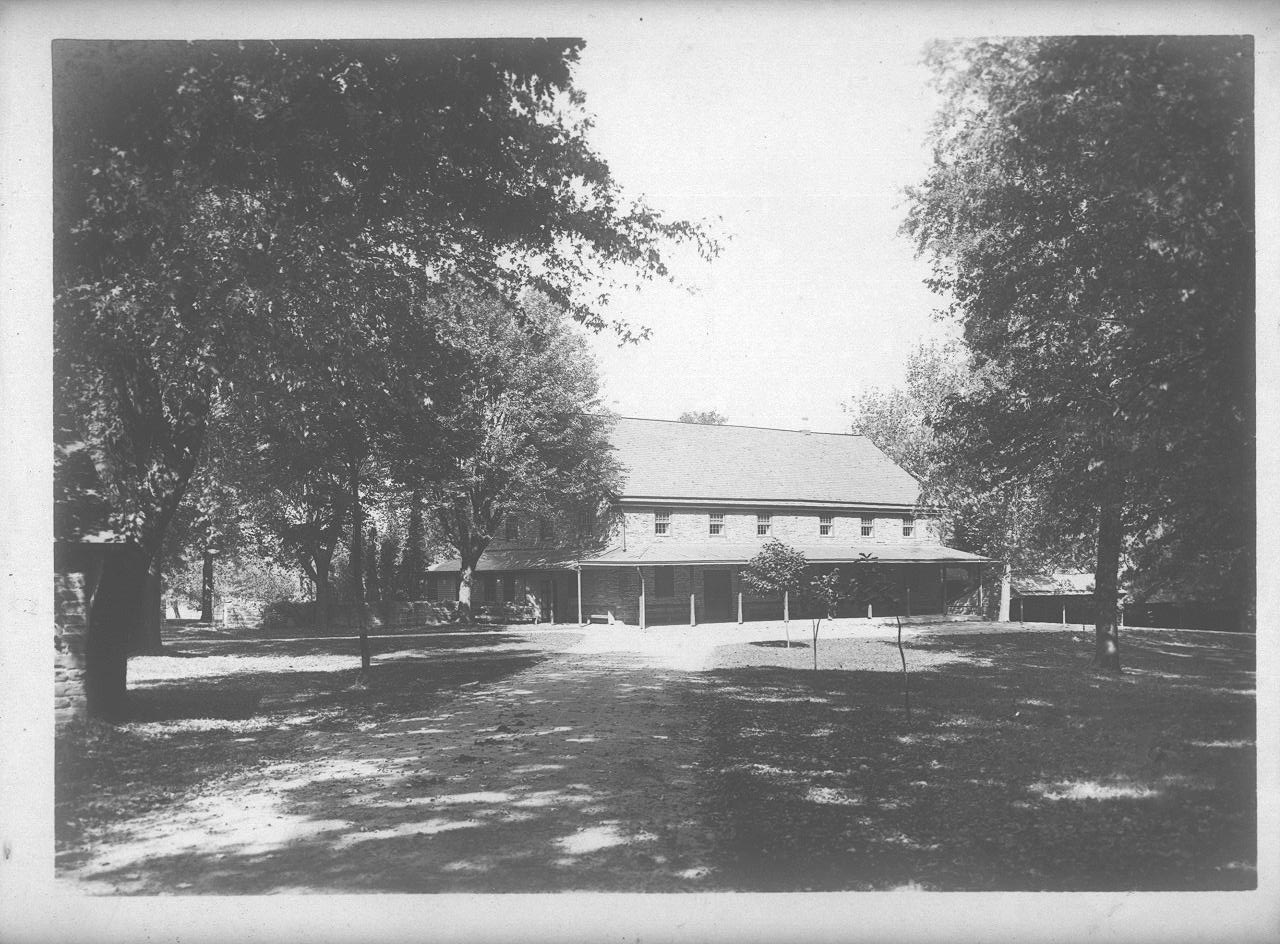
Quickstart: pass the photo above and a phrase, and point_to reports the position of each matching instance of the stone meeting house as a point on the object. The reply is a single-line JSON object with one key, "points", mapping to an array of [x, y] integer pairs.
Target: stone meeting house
{"points": [[697, 503]]}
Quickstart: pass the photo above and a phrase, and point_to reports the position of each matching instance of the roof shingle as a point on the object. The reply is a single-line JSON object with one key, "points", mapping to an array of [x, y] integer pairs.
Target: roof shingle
{"points": [[671, 460]]}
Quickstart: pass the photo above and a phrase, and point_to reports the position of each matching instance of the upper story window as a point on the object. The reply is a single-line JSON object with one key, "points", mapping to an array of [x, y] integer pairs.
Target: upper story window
{"points": [[717, 523], [664, 581], [825, 524], [868, 526], [764, 525], [662, 522], [908, 527], [544, 529], [512, 528]]}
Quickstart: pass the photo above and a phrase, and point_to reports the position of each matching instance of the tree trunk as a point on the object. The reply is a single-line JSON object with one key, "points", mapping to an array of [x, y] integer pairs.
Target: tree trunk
{"points": [[415, 557], [1106, 655], [357, 569], [1006, 590], [147, 636], [113, 615], [322, 562], [206, 588], [466, 579]]}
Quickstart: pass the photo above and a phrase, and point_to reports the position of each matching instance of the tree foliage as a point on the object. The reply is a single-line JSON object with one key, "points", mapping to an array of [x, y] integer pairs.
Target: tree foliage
{"points": [[1015, 522], [229, 216], [518, 429], [706, 417], [1089, 216]]}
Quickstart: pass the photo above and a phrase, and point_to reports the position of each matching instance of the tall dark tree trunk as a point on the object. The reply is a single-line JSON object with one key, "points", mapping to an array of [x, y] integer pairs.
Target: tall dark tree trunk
{"points": [[372, 580], [114, 614], [324, 595], [357, 569], [415, 556], [1106, 655], [206, 588], [147, 635]]}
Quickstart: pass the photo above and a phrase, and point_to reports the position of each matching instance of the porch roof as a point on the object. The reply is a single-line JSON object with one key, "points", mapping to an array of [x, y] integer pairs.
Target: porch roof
{"points": [[717, 552], [703, 552]]}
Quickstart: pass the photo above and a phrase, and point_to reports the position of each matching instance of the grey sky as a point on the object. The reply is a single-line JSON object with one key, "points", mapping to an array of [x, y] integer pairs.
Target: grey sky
{"points": [[800, 143]]}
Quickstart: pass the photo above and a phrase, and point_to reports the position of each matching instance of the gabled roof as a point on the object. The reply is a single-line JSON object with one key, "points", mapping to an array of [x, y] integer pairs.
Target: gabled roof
{"points": [[665, 459]]}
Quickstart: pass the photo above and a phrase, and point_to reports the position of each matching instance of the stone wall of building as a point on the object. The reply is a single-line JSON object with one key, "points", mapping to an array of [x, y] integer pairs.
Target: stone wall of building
{"points": [[788, 527]]}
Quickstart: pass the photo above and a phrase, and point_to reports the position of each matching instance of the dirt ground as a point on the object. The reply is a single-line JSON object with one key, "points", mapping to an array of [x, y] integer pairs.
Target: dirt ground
{"points": [[674, 759]]}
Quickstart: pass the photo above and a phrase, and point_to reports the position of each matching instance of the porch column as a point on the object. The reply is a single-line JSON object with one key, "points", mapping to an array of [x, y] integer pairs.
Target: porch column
{"points": [[1064, 612], [908, 603], [579, 570], [640, 574], [786, 606], [739, 607], [693, 620], [942, 586], [982, 610]]}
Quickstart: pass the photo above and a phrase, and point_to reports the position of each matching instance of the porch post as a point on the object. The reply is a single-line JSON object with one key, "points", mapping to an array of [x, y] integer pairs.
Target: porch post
{"points": [[786, 606], [908, 603], [739, 607], [1064, 612], [579, 569], [693, 621], [982, 610], [640, 574], [942, 586]]}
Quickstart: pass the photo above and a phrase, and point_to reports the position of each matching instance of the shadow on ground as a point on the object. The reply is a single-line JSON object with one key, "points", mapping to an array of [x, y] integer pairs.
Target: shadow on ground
{"points": [[1017, 769], [507, 769]]}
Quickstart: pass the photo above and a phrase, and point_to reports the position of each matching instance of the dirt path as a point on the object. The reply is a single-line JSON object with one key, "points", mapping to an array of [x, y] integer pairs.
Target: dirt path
{"points": [[576, 773]]}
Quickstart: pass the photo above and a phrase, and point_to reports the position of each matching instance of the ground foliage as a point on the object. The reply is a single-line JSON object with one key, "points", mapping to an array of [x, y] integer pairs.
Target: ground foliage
{"points": [[508, 761]]}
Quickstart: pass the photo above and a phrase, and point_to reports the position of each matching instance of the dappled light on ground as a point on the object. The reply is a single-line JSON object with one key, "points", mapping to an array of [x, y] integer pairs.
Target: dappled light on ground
{"points": [[559, 761]]}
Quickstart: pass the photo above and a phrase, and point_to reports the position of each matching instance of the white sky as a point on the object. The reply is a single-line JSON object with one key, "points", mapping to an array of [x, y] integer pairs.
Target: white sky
{"points": [[797, 145]]}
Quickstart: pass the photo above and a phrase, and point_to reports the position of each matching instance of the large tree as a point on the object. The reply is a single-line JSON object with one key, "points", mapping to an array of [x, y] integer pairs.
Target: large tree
{"points": [[1014, 522], [217, 204], [1089, 213], [517, 429]]}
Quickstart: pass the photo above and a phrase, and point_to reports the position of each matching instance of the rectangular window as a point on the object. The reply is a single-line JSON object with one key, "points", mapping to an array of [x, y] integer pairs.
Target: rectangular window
{"points": [[868, 527], [513, 528], [908, 527], [717, 523], [491, 589], [544, 530], [664, 581], [508, 590], [662, 522], [764, 524], [825, 524]]}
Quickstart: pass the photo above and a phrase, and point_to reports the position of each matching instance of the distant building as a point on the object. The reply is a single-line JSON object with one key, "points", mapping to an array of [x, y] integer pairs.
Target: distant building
{"points": [[698, 503]]}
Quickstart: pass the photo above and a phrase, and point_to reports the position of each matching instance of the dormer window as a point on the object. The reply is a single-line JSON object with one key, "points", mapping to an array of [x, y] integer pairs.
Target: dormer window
{"points": [[662, 522], [825, 525]]}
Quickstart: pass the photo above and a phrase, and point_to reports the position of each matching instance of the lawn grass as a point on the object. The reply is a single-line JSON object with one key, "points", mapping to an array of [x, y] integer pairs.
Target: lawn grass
{"points": [[1019, 768]]}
